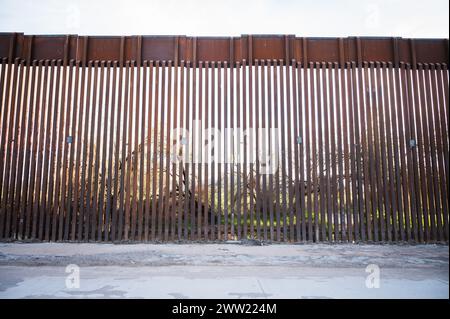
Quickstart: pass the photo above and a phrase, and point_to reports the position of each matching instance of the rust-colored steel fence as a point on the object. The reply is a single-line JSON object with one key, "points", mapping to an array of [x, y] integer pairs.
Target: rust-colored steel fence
{"points": [[274, 138]]}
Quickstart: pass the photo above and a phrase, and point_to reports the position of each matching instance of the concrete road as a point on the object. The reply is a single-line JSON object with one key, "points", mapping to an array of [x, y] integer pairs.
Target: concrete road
{"points": [[223, 271]]}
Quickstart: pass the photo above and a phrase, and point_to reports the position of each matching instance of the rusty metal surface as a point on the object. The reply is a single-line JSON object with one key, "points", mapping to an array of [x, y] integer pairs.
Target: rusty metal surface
{"points": [[230, 49]]}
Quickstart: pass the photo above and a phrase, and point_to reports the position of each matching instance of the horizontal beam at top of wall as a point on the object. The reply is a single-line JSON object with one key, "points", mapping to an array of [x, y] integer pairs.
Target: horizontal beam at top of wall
{"points": [[229, 49]]}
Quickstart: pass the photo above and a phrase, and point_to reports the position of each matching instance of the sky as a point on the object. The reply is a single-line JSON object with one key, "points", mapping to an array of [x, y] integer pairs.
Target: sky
{"points": [[321, 18]]}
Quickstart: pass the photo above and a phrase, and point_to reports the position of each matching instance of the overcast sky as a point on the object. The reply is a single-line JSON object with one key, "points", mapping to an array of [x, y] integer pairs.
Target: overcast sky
{"points": [[405, 18]]}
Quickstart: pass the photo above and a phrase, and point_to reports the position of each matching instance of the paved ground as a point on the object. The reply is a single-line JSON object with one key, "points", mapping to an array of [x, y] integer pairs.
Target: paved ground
{"points": [[223, 271]]}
